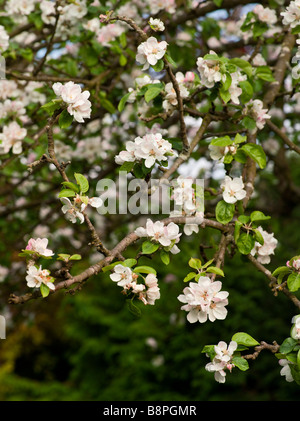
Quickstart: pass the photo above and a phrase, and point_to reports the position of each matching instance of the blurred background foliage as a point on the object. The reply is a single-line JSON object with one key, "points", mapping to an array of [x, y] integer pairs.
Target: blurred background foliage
{"points": [[88, 346]]}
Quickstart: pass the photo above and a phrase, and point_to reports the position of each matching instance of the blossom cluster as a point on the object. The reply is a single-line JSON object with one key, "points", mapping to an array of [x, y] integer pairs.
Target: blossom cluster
{"points": [[204, 300], [74, 210], [78, 104], [265, 250], [254, 108], [36, 276], [165, 235], [149, 149], [186, 204], [222, 360], [148, 292], [184, 82]]}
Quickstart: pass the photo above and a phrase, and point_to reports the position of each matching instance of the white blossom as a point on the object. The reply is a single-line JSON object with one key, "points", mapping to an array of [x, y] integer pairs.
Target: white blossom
{"points": [[38, 276], [209, 70], [255, 109], [233, 189], [157, 25], [150, 51], [265, 14], [291, 16], [122, 275], [78, 104], [264, 251], [222, 360], [39, 245], [166, 235], [11, 138], [204, 300], [4, 39], [286, 370]]}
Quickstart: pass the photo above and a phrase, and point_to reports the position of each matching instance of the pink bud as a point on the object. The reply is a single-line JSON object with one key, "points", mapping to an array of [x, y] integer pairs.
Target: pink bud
{"points": [[189, 77], [102, 18], [30, 244]]}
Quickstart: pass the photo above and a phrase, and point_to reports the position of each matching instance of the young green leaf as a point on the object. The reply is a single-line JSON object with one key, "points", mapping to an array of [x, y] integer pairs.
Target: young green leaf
{"points": [[243, 338], [195, 263], [66, 193], [144, 269], [82, 182], [44, 290], [189, 276], [149, 248], [245, 243], [224, 212], [257, 153], [65, 119]]}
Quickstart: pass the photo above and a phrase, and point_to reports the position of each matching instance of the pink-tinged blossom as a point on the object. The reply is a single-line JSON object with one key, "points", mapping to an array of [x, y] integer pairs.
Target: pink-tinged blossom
{"points": [[150, 51], [209, 70], [11, 138], [255, 109], [39, 245], [157, 25], [74, 210], [153, 292], [4, 39], [165, 235], [222, 360], [157, 5], [265, 14], [295, 332], [264, 251], [109, 33], [78, 104], [204, 300], [38, 276], [233, 189], [122, 275], [291, 16]]}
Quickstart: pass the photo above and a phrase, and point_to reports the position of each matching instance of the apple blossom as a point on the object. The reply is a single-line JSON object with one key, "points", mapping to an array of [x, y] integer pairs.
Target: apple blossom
{"points": [[122, 275], [157, 25], [295, 332], [265, 14], [209, 70], [222, 360], [233, 189], [264, 251], [291, 16], [151, 148], [150, 51], [157, 5], [255, 109], [11, 138], [38, 276], [39, 245], [4, 39], [204, 300], [286, 370], [78, 104], [166, 235]]}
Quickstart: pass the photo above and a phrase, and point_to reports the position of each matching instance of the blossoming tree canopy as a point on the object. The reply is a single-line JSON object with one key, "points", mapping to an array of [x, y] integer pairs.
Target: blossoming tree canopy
{"points": [[157, 90]]}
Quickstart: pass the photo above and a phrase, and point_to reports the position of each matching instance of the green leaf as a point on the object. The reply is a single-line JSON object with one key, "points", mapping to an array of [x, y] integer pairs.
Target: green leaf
{"points": [[244, 219], [189, 276], [105, 103], [82, 182], [165, 257], [218, 2], [295, 370], [170, 60], [222, 141], [127, 166], [258, 216], [149, 248], [224, 212], [287, 345], [111, 266], [265, 73], [237, 230], [63, 256], [240, 363], [258, 237], [144, 269], [44, 290], [65, 119], [158, 67], [247, 91], [71, 186], [75, 257], [243, 338], [242, 64], [195, 263], [249, 123], [293, 281], [245, 243], [257, 153], [134, 309], [129, 262], [281, 269], [239, 138], [225, 95], [123, 101], [227, 83], [66, 193], [217, 271], [152, 93], [52, 106]]}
